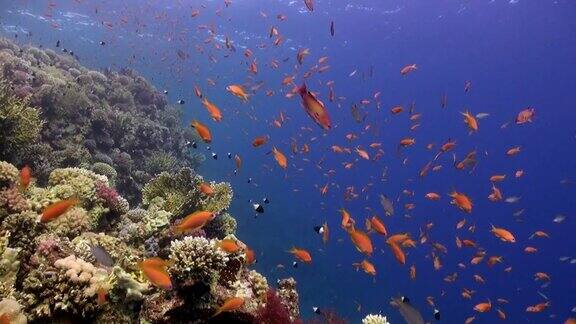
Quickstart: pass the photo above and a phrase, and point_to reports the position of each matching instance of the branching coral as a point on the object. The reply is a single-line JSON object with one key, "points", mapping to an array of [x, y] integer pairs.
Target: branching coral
{"points": [[20, 124], [196, 258], [375, 319]]}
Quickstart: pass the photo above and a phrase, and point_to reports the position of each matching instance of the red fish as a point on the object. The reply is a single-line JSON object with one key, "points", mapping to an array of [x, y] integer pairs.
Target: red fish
{"points": [[315, 108]]}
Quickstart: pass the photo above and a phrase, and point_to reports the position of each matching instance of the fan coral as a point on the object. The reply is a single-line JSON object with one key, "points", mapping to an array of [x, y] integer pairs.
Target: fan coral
{"points": [[196, 258], [375, 319]]}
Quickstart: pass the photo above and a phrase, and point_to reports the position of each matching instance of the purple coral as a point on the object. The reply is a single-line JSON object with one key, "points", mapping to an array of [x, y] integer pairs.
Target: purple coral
{"points": [[274, 311], [12, 200], [108, 195]]}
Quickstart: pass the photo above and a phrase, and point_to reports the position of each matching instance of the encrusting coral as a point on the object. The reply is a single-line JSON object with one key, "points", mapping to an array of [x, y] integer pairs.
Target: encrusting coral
{"points": [[100, 140]]}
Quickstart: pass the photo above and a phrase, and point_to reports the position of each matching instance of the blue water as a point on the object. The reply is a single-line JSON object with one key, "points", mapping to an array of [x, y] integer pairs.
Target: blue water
{"points": [[517, 54]]}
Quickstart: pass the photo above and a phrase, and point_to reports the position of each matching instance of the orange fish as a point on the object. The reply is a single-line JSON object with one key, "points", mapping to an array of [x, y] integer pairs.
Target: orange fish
{"points": [[538, 307], [206, 189], [250, 256], [497, 177], [315, 108], [231, 304], [374, 223], [202, 131], [432, 196], [503, 234], [259, 141], [398, 253], [408, 69], [101, 296], [363, 154], [483, 307], [238, 161], [194, 221], [155, 271], [396, 110], [407, 142], [301, 255], [496, 194], [366, 266], [25, 176], [197, 91], [229, 245], [361, 240], [525, 116], [280, 158], [471, 121], [347, 220], [238, 91], [56, 209], [461, 201], [513, 151], [213, 110]]}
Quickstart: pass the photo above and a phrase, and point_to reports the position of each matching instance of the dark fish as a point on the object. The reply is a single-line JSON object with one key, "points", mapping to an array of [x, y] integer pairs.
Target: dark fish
{"points": [[101, 255], [295, 264], [181, 101], [266, 200], [102, 43], [165, 92], [229, 155], [258, 208], [410, 314], [332, 28], [214, 156], [316, 310], [436, 314], [387, 205], [58, 43]]}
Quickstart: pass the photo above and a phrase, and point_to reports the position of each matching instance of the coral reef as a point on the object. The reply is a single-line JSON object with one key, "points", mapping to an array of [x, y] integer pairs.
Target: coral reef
{"points": [[109, 140], [74, 116]]}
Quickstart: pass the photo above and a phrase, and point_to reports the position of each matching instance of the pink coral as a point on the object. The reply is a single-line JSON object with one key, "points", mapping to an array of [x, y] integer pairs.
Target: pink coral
{"points": [[107, 194], [274, 311], [12, 200]]}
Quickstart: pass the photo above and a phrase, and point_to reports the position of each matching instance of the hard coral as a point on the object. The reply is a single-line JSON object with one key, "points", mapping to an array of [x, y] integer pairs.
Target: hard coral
{"points": [[20, 124], [196, 258]]}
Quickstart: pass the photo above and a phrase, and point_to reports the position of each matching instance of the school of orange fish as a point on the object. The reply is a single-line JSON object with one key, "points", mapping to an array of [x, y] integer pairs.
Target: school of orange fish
{"points": [[360, 231]]}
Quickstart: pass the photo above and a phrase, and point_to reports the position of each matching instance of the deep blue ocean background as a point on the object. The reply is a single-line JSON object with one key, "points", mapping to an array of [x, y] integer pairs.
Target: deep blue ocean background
{"points": [[517, 54]]}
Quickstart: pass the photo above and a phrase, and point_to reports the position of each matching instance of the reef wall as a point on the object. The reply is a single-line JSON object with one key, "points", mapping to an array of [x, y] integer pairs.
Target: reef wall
{"points": [[108, 141]]}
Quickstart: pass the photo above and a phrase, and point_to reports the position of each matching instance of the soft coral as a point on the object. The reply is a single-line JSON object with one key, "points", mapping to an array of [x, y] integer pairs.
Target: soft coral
{"points": [[275, 312]]}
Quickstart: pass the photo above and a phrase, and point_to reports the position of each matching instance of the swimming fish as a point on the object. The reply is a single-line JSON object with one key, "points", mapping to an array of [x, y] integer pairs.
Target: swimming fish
{"points": [[155, 270], [25, 177], [56, 209], [194, 221], [410, 314], [213, 110], [387, 205], [231, 304], [202, 131], [366, 266], [408, 69], [280, 158], [238, 91], [101, 255], [301, 255], [315, 108]]}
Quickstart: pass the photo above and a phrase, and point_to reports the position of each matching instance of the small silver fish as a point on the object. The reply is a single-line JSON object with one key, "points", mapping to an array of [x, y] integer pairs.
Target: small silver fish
{"points": [[559, 218], [387, 205], [512, 200], [482, 115]]}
